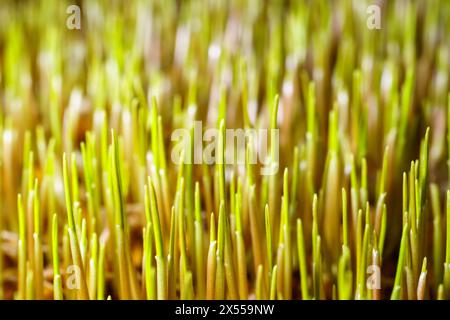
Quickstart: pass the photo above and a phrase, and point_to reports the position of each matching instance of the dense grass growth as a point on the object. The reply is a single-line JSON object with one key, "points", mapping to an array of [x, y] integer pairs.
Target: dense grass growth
{"points": [[93, 205]]}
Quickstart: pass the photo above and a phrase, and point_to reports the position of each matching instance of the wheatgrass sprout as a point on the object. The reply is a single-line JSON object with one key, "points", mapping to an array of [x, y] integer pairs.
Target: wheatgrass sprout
{"points": [[320, 170]]}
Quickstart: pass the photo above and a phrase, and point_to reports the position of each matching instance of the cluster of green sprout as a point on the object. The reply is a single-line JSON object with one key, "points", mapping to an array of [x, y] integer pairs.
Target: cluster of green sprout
{"points": [[93, 207]]}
